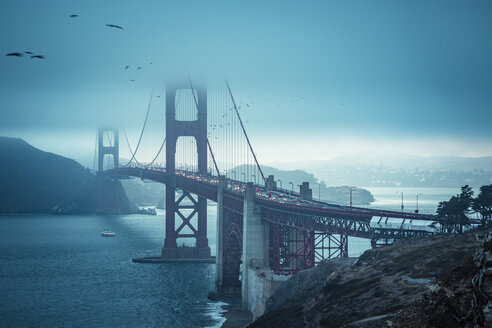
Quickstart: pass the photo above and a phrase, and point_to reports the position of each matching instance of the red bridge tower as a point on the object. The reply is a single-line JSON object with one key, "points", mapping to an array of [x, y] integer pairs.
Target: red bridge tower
{"points": [[175, 129]]}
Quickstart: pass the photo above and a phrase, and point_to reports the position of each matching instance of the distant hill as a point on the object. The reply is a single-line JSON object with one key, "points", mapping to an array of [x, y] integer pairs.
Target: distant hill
{"points": [[337, 194], [399, 170], [34, 181]]}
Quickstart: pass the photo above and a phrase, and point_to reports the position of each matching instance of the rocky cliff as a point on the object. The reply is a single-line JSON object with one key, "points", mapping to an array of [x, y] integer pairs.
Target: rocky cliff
{"points": [[415, 283]]}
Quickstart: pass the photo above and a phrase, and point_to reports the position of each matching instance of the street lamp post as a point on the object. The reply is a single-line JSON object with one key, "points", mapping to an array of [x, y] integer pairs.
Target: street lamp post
{"points": [[401, 192], [417, 210]]}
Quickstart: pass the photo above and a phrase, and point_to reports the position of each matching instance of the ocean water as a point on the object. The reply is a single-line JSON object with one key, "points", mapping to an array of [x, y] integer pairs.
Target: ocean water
{"points": [[389, 198], [57, 271]]}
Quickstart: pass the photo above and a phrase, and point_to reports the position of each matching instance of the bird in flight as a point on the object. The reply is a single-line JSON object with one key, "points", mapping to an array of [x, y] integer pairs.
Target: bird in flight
{"points": [[14, 54], [28, 52], [127, 67], [139, 67], [132, 80], [115, 26], [38, 57], [74, 16]]}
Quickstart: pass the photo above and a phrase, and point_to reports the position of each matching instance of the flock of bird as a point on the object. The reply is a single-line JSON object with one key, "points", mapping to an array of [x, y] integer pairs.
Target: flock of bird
{"points": [[36, 56], [20, 54], [127, 67]]}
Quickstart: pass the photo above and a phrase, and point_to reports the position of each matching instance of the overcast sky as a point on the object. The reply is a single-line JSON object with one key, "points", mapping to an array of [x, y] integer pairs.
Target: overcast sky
{"points": [[327, 77]]}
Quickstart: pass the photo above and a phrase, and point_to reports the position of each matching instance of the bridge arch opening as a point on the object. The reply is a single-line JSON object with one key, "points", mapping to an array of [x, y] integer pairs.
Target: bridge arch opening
{"points": [[185, 103], [186, 154], [232, 259], [108, 138], [108, 161]]}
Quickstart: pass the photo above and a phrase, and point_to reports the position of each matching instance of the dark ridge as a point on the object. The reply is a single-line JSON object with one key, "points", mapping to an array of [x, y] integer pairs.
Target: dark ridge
{"points": [[38, 182]]}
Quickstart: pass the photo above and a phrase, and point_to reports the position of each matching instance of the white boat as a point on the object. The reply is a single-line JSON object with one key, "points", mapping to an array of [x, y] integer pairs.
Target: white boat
{"points": [[107, 233]]}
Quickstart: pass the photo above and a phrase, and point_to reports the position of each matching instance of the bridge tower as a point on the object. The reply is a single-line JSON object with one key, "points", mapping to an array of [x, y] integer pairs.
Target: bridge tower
{"points": [[108, 190], [111, 149], [175, 129]]}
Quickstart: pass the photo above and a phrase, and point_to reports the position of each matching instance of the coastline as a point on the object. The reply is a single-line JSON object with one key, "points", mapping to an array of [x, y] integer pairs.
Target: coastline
{"points": [[235, 316], [231, 311]]}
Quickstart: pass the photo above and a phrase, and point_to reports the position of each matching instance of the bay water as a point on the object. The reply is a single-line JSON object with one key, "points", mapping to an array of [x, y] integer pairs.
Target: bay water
{"points": [[57, 271]]}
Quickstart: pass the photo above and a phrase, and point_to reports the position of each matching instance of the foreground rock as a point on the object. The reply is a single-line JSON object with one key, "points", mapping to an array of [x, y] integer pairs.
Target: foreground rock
{"points": [[378, 289], [459, 298]]}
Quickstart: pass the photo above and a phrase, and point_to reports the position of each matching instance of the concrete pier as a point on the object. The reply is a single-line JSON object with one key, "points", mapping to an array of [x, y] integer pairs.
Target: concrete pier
{"points": [[255, 247], [183, 253]]}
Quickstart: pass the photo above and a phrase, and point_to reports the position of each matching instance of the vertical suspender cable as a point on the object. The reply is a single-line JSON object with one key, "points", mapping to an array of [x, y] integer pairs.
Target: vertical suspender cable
{"points": [[95, 155], [208, 143], [244, 131], [143, 128]]}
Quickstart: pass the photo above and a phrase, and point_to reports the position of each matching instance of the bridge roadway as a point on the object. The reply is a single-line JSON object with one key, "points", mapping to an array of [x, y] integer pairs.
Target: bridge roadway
{"points": [[287, 208]]}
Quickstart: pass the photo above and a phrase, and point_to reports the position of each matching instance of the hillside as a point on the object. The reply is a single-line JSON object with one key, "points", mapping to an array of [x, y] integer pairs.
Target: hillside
{"points": [[399, 170], [34, 181], [399, 285], [325, 190]]}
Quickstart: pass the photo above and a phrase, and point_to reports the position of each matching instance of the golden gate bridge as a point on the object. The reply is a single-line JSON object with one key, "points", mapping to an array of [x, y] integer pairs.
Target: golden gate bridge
{"points": [[206, 154]]}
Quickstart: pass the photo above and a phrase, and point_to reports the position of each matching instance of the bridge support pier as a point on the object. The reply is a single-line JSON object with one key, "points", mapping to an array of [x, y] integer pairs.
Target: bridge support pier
{"points": [[186, 207], [255, 246], [229, 242], [108, 196]]}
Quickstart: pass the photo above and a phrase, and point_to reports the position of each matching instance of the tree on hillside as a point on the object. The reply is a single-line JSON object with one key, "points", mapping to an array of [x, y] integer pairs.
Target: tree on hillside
{"points": [[482, 204], [453, 214]]}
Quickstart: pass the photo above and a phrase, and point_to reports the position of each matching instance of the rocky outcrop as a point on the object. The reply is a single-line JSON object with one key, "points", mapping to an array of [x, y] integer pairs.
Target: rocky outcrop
{"points": [[380, 287], [459, 298], [306, 284]]}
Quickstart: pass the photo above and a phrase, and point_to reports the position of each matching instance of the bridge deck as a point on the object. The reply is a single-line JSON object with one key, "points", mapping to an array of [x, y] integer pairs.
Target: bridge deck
{"points": [[284, 207]]}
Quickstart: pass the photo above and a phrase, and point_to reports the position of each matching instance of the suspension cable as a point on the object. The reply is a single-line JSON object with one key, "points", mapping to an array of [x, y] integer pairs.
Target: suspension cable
{"points": [[110, 145], [208, 143], [213, 158], [143, 128], [160, 149], [95, 152], [244, 131], [130, 148]]}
